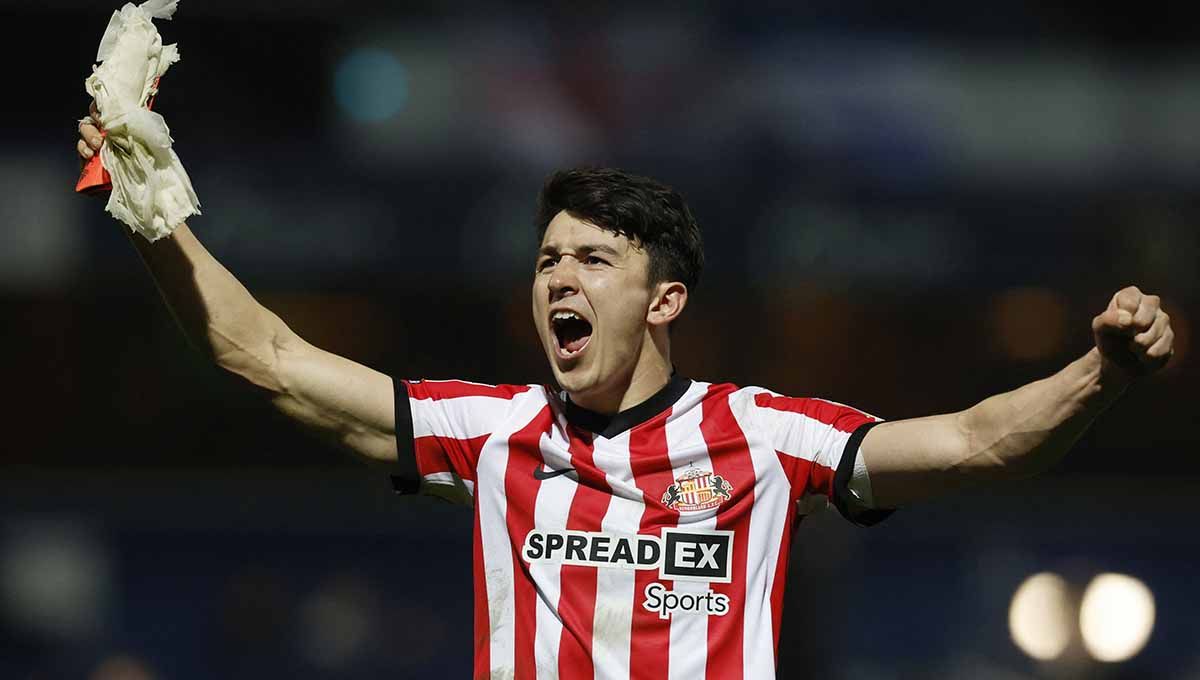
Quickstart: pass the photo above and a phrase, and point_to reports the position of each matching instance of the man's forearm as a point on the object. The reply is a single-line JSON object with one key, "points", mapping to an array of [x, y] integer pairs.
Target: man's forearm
{"points": [[1008, 436], [216, 312], [1021, 433]]}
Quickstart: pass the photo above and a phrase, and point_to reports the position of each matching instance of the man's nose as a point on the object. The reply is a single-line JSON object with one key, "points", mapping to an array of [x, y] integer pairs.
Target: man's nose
{"points": [[564, 281]]}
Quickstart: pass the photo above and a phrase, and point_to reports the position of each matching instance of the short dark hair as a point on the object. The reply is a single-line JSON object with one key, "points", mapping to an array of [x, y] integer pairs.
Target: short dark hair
{"points": [[645, 211]]}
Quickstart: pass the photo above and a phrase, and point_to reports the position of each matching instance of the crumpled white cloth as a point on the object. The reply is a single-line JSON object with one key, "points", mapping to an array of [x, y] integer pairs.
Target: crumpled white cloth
{"points": [[151, 191]]}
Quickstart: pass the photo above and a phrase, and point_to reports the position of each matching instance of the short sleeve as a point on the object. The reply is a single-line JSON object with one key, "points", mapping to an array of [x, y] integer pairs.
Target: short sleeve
{"points": [[441, 428], [818, 442]]}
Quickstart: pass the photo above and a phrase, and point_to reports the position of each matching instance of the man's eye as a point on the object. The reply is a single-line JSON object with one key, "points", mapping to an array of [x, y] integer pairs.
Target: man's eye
{"points": [[592, 259], [545, 264]]}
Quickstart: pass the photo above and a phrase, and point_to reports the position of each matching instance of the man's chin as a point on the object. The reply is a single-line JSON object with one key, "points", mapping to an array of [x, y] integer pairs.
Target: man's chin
{"points": [[573, 378], [572, 381]]}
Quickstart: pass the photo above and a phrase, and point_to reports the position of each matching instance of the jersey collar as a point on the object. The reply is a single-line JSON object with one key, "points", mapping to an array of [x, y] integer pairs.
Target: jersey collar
{"points": [[609, 426]]}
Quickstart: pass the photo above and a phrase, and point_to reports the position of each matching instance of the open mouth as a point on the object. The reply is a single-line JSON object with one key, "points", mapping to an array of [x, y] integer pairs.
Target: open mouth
{"points": [[571, 331]]}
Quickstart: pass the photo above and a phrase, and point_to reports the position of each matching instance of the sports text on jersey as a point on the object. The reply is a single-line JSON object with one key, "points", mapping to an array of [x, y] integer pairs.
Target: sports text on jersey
{"points": [[667, 602], [678, 554]]}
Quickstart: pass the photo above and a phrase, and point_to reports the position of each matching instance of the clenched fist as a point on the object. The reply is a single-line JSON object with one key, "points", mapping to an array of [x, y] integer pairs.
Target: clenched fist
{"points": [[1134, 334], [90, 137]]}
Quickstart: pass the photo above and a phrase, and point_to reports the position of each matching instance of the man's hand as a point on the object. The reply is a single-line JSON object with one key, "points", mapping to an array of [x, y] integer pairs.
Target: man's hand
{"points": [[1134, 335], [90, 138]]}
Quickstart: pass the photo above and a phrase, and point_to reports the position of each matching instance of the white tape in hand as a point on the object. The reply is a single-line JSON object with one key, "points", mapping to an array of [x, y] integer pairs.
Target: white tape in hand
{"points": [[151, 192]]}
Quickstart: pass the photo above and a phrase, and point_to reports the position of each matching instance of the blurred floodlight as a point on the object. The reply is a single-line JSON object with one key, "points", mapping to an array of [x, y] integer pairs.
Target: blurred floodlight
{"points": [[1039, 618], [371, 85], [42, 245], [121, 667], [1116, 617], [338, 622], [55, 578], [1030, 323]]}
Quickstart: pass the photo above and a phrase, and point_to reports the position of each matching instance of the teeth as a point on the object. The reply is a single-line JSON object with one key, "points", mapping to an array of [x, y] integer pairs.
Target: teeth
{"points": [[564, 316]]}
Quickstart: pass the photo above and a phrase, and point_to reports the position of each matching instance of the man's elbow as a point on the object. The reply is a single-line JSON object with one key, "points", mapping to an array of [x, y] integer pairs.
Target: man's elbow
{"points": [[259, 358]]}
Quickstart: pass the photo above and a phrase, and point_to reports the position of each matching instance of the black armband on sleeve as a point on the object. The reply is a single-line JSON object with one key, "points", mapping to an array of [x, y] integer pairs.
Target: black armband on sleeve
{"points": [[842, 498], [408, 479]]}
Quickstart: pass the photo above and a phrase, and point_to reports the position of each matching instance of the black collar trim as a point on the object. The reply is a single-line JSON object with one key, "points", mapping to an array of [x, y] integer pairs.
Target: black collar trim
{"points": [[611, 426]]}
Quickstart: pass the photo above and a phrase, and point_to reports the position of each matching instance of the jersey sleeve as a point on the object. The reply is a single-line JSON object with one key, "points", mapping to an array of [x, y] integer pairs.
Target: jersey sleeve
{"points": [[441, 428], [818, 443]]}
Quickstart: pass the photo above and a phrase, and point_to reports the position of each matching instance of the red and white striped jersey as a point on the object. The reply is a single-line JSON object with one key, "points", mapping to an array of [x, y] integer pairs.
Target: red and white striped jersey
{"points": [[650, 544]]}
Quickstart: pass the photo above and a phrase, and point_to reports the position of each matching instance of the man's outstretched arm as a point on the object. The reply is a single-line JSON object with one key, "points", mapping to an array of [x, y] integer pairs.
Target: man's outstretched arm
{"points": [[343, 401], [1020, 433]]}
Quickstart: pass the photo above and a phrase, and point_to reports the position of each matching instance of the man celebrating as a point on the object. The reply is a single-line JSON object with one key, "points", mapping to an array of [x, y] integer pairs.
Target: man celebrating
{"points": [[636, 523]]}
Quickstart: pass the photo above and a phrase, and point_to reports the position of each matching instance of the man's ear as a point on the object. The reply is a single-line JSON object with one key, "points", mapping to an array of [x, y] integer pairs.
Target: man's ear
{"points": [[670, 297]]}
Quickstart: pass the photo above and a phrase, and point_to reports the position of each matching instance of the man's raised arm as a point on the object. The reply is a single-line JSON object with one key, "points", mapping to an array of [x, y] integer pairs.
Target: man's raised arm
{"points": [[343, 401], [1020, 433]]}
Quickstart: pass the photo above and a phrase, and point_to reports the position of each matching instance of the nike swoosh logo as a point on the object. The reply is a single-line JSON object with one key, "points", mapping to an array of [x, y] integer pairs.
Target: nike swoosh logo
{"points": [[539, 473]]}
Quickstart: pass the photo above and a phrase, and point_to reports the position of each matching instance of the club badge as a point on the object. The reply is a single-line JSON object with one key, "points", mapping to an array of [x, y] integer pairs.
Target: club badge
{"points": [[697, 489]]}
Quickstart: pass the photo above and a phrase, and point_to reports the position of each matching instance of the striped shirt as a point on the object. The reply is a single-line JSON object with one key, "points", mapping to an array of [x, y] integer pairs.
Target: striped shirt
{"points": [[650, 544]]}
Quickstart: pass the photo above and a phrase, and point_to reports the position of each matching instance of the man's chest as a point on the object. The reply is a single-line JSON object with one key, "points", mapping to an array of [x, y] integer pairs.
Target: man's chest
{"points": [[650, 501]]}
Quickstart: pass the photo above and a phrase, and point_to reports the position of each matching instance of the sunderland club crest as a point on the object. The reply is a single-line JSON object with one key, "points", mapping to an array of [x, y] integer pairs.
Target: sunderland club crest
{"points": [[697, 489]]}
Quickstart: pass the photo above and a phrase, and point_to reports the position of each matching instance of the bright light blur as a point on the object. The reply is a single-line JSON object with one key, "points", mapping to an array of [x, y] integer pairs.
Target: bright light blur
{"points": [[1116, 617], [1039, 618]]}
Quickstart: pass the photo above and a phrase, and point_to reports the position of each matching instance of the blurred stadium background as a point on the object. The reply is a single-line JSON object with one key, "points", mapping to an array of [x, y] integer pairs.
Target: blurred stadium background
{"points": [[907, 207]]}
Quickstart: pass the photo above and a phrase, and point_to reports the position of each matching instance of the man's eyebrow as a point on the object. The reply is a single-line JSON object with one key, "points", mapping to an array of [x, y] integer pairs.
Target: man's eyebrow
{"points": [[601, 248], [551, 249]]}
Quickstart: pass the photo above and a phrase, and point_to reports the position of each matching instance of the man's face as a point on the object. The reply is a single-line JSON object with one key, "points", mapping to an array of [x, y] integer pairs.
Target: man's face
{"points": [[590, 300]]}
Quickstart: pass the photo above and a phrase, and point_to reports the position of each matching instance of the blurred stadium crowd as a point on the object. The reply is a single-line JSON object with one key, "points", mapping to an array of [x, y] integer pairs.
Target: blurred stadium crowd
{"points": [[906, 208]]}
